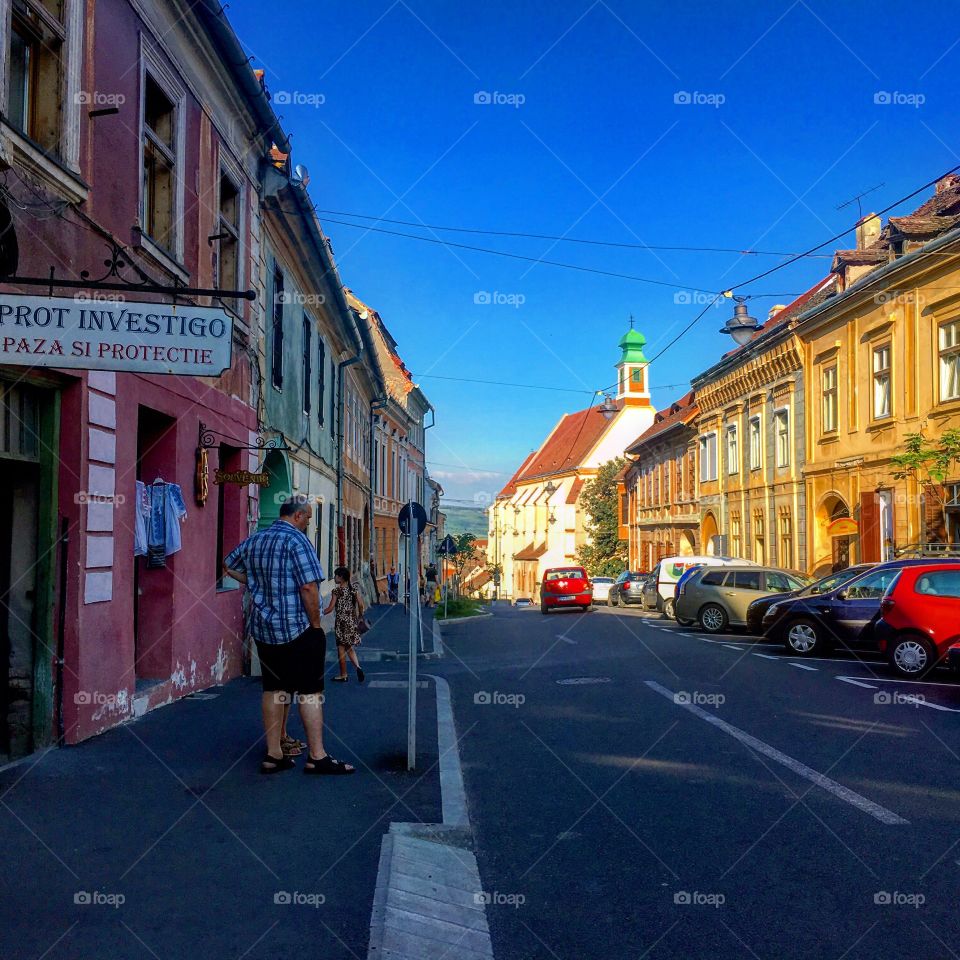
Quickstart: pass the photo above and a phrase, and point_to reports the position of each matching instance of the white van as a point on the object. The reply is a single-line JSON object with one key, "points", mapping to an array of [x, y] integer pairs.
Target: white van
{"points": [[664, 576]]}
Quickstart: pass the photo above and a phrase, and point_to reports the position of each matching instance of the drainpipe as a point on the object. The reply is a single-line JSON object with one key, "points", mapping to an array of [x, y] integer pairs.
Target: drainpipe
{"points": [[376, 404]]}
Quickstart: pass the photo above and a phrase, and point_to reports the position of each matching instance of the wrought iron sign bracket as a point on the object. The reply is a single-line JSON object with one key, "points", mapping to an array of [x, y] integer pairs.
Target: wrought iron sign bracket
{"points": [[208, 439]]}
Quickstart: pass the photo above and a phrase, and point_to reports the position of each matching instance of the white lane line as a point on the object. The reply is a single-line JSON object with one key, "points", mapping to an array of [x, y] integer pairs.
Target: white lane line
{"points": [[774, 646], [801, 769], [730, 646], [932, 706], [565, 639], [767, 656], [918, 683], [858, 683], [802, 666]]}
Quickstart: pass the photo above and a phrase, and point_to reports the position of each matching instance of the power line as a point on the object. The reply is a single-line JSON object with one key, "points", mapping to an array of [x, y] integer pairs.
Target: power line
{"points": [[527, 386], [547, 236]]}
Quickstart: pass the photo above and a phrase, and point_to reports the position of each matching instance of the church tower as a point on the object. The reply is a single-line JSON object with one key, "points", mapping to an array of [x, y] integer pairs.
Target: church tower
{"points": [[632, 386]]}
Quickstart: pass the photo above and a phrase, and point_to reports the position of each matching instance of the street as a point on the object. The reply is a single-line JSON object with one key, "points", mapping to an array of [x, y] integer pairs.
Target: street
{"points": [[638, 789]]}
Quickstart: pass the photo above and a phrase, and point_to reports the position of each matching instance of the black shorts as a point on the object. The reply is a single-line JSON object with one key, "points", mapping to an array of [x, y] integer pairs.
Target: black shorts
{"points": [[297, 666]]}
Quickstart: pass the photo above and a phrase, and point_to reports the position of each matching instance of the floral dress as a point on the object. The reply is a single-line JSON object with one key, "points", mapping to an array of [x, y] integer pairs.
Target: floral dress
{"points": [[345, 625]]}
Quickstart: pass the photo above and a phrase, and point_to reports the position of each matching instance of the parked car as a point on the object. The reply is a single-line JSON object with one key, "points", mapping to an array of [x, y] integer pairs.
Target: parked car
{"points": [[719, 596], [627, 589], [684, 577], [759, 607], [843, 616], [565, 587], [669, 570], [919, 618], [523, 602], [601, 589]]}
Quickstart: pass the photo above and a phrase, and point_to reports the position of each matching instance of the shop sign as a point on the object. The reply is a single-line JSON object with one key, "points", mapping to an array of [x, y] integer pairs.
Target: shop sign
{"points": [[87, 334], [242, 478], [843, 527]]}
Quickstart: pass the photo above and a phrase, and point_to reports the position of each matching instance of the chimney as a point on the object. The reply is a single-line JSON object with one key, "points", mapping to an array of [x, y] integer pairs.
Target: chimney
{"points": [[776, 308], [868, 230]]}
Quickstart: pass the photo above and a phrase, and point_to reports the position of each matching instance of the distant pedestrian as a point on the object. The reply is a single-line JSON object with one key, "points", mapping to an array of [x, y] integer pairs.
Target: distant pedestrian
{"points": [[393, 584], [345, 599], [432, 580], [280, 568]]}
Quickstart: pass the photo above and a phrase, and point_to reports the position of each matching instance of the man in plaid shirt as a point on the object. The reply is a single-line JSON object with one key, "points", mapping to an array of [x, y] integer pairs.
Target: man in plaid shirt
{"points": [[283, 575]]}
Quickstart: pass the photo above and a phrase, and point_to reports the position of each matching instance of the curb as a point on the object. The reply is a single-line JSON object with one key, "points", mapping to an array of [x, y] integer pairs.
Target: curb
{"points": [[473, 616]]}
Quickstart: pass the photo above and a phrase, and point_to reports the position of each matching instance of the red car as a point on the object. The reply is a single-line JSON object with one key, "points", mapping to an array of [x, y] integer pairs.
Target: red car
{"points": [[920, 618], [565, 587]]}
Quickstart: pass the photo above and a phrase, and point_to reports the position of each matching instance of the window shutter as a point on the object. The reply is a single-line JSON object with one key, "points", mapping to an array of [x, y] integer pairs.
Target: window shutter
{"points": [[870, 545]]}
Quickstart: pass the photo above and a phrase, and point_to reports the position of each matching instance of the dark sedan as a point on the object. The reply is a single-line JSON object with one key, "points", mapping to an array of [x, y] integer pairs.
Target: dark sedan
{"points": [[841, 617], [759, 607]]}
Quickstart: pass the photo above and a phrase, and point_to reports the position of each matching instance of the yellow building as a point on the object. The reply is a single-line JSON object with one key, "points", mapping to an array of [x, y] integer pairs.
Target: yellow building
{"points": [[751, 443], [882, 360]]}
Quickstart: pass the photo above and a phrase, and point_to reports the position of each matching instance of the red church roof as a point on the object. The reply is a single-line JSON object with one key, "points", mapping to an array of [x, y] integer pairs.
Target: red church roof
{"points": [[574, 437]]}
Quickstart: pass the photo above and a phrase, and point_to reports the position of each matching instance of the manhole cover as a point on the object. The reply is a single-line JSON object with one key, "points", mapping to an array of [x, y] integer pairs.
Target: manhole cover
{"points": [[578, 681]]}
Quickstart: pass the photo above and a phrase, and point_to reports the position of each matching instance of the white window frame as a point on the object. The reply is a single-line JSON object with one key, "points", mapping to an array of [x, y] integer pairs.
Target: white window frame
{"points": [[952, 354], [704, 461], [825, 394], [887, 345], [151, 61], [733, 462], [781, 414], [756, 430]]}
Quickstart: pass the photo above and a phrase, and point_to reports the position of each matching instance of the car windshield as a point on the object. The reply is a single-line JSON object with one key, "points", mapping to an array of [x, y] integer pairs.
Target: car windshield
{"points": [[871, 586], [831, 582], [572, 574]]}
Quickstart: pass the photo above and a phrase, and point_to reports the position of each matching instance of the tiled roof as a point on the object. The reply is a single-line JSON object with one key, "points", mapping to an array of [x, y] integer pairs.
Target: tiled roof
{"points": [[531, 552], [679, 412], [575, 490], [511, 488], [572, 439]]}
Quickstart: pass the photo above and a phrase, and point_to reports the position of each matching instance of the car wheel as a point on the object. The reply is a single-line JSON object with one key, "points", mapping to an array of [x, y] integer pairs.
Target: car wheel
{"points": [[544, 609], [670, 609], [912, 655], [685, 623], [803, 637], [713, 618], [613, 600]]}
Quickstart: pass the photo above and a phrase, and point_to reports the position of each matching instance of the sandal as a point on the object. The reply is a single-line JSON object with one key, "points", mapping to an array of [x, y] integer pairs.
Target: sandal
{"points": [[327, 766], [340, 679], [278, 764], [291, 749], [293, 742], [359, 674]]}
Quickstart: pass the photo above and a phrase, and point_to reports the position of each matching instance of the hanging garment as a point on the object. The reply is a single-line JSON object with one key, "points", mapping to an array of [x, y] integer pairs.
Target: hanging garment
{"points": [[167, 511], [141, 511]]}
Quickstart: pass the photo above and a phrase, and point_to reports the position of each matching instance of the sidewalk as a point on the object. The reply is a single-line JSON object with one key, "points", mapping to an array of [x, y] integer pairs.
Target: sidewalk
{"points": [[187, 851], [389, 635]]}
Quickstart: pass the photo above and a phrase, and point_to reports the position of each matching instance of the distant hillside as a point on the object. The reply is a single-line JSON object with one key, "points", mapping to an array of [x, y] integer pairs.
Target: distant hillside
{"points": [[465, 520]]}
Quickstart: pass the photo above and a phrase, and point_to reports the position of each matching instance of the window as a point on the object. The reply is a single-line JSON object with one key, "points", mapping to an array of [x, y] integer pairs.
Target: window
{"points": [[708, 457], [35, 55], [321, 377], [786, 539], [950, 360], [829, 390], [276, 365], [756, 447], [159, 165], [940, 583], [759, 536], [735, 535], [746, 580], [780, 583], [318, 533], [713, 578], [307, 357], [871, 586], [781, 429], [228, 231], [733, 449], [881, 382]]}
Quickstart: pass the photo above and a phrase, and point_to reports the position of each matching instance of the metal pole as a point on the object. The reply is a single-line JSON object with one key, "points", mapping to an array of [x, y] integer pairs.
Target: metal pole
{"points": [[412, 665]]}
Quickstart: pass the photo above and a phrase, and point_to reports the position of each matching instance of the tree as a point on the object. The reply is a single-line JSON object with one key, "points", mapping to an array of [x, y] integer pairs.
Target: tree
{"points": [[929, 463], [606, 553], [466, 549]]}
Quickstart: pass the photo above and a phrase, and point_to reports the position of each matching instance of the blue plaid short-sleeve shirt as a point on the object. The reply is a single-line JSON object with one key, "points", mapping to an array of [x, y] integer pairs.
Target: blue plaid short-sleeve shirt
{"points": [[278, 561]]}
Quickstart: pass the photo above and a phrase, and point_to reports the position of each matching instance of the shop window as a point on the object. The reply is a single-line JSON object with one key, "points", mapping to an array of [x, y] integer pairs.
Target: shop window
{"points": [[159, 165], [276, 353], [829, 391], [781, 427], [950, 360], [882, 401], [228, 228], [35, 55]]}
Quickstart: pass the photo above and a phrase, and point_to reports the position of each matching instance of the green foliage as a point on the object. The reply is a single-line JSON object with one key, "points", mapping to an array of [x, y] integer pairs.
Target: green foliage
{"points": [[928, 462], [606, 554], [459, 607], [466, 547]]}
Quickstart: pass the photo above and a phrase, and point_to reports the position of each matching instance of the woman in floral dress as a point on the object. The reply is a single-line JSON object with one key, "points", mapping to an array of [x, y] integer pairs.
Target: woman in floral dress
{"points": [[349, 608]]}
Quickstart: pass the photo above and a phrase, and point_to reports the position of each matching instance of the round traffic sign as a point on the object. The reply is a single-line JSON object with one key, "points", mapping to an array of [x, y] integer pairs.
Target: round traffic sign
{"points": [[419, 519]]}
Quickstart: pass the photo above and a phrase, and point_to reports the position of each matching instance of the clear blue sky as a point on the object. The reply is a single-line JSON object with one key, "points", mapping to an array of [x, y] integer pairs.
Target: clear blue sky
{"points": [[598, 149]]}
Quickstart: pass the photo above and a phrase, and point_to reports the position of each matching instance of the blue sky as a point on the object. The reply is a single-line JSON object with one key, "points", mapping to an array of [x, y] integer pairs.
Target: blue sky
{"points": [[587, 140]]}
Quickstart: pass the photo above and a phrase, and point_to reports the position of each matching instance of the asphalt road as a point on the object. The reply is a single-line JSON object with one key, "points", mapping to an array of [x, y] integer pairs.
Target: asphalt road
{"points": [[691, 796]]}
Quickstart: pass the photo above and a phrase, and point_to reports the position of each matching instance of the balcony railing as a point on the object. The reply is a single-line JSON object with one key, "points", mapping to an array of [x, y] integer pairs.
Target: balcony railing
{"points": [[933, 550]]}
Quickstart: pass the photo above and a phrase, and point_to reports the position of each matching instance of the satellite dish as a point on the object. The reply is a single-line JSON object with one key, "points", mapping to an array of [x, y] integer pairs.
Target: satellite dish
{"points": [[303, 174], [9, 249]]}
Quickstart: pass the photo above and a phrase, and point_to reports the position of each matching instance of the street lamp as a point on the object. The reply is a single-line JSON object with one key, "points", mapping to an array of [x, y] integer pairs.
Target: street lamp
{"points": [[550, 488], [741, 326], [608, 408]]}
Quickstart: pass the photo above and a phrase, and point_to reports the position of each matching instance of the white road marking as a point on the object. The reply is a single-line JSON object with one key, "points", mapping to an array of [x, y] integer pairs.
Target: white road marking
{"points": [[802, 666], [801, 769], [918, 683], [857, 683], [767, 656], [560, 636], [775, 646], [730, 646]]}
